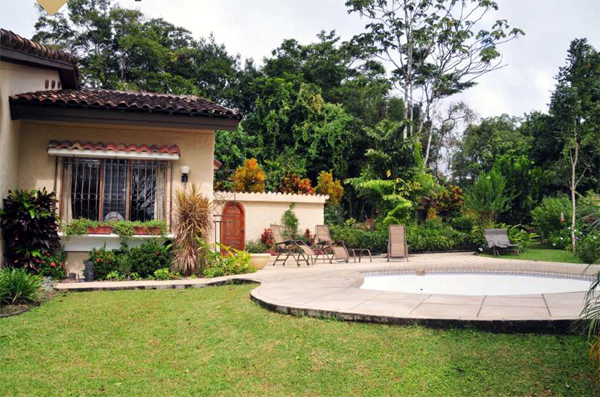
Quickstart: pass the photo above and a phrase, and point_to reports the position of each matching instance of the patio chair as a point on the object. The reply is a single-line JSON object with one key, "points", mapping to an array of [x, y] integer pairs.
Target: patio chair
{"points": [[330, 249], [497, 241], [397, 247], [287, 247]]}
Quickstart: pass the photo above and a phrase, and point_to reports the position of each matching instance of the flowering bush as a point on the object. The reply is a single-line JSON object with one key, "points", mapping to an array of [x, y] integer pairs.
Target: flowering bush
{"points": [[294, 184], [249, 177], [149, 257], [562, 238], [52, 266], [589, 248], [105, 261]]}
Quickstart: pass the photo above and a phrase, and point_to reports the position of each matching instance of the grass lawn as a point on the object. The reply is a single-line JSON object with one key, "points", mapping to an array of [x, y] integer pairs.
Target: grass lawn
{"points": [[542, 253], [215, 341]]}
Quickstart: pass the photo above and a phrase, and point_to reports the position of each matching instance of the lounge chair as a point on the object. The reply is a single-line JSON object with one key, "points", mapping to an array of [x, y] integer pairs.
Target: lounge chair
{"points": [[330, 249], [397, 247], [287, 247], [497, 241]]}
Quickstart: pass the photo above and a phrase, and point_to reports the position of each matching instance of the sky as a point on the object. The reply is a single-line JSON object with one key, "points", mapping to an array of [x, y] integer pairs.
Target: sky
{"points": [[254, 28]]}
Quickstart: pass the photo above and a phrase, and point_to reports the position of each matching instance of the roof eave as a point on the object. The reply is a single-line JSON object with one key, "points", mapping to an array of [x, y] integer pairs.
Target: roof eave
{"points": [[26, 111], [69, 75]]}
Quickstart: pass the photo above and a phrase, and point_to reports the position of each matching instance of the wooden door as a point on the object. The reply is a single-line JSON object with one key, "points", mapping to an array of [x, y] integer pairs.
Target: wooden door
{"points": [[233, 226]]}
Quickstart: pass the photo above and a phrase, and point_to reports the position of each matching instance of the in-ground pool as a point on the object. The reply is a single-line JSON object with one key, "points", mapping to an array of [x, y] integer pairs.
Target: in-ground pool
{"points": [[474, 283]]}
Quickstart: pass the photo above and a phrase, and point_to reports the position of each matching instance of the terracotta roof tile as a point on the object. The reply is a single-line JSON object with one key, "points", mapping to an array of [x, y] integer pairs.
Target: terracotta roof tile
{"points": [[13, 41], [128, 101], [114, 147]]}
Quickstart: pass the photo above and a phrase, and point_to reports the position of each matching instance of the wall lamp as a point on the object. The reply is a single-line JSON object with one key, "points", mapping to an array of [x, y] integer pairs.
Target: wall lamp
{"points": [[185, 170]]}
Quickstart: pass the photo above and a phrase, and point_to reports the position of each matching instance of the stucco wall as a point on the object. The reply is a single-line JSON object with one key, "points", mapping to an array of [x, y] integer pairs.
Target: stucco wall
{"points": [[264, 209], [36, 169], [15, 79]]}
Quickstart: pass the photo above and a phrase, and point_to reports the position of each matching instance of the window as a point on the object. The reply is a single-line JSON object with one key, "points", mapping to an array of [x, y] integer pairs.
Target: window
{"points": [[113, 189]]}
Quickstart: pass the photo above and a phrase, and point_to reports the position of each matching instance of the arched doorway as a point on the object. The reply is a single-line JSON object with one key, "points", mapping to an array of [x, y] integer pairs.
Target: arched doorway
{"points": [[233, 226]]}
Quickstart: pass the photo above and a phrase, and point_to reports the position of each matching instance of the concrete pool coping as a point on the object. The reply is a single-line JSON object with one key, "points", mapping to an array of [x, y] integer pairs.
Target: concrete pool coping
{"points": [[331, 291]]}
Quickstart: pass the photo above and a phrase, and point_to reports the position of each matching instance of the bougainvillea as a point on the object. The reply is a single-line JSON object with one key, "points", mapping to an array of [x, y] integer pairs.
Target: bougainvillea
{"points": [[249, 177]]}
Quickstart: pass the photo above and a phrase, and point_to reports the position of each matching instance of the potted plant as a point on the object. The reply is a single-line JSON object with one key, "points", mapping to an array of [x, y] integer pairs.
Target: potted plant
{"points": [[80, 227], [259, 257], [150, 228]]}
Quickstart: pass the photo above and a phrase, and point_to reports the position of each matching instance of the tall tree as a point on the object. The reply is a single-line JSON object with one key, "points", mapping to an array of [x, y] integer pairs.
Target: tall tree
{"points": [[437, 48], [575, 105]]}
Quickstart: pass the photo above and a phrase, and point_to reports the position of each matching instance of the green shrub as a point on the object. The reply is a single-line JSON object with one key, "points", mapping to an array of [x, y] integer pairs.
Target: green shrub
{"points": [[105, 262], [434, 236], [16, 285], [430, 236], [150, 256], [462, 223], [588, 248], [166, 274], [231, 262], [487, 198], [548, 216], [353, 237], [29, 227]]}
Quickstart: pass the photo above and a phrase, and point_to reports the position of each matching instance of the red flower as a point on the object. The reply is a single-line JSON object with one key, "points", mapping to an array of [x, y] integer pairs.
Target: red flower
{"points": [[47, 254], [53, 264], [98, 260]]}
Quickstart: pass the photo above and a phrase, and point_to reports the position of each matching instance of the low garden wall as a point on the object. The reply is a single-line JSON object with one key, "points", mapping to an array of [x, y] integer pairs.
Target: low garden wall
{"points": [[264, 209]]}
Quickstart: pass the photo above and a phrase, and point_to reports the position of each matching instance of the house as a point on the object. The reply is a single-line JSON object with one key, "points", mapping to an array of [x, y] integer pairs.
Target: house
{"points": [[118, 155], [107, 154]]}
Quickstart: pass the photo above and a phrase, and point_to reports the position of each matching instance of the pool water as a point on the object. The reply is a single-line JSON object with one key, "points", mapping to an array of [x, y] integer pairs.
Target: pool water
{"points": [[473, 284]]}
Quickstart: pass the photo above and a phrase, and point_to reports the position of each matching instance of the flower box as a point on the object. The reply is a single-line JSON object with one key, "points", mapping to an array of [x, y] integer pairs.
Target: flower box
{"points": [[99, 230], [146, 231]]}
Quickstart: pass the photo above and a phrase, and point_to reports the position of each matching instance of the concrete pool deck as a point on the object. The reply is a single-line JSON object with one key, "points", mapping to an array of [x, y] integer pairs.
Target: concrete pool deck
{"points": [[332, 291]]}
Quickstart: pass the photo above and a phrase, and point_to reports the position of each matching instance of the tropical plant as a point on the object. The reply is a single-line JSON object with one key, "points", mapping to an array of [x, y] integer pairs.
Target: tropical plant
{"points": [[591, 319], [486, 199], [293, 184], [193, 223], [16, 285], [267, 238], [290, 222], [326, 185], [29, 227], [249, 177], [232, 261]]}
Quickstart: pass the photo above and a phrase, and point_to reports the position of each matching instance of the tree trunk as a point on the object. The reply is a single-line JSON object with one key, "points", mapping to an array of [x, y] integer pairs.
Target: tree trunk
{"points": [[428, 148], [574, 157]]}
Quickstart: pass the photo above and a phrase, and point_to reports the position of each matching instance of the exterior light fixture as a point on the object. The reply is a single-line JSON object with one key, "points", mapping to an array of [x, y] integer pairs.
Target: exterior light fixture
{"points": [[185, 170]]}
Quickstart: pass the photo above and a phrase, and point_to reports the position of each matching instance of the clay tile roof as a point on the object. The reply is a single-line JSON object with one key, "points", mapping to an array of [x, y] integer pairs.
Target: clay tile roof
{"points": [[114, 147], [129, 101], [13, 41]]}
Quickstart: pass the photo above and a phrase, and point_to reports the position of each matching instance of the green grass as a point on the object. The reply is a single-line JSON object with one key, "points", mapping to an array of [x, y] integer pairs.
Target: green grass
{"points": [[542, 253], [215, 341]]}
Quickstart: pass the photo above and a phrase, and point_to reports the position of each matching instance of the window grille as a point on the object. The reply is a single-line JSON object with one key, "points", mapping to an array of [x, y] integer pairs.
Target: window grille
{"points": [[113, 189]]}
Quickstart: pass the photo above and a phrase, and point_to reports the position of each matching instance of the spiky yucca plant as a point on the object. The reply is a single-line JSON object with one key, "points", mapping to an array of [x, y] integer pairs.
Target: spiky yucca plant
{"points": [[193, 222]]}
